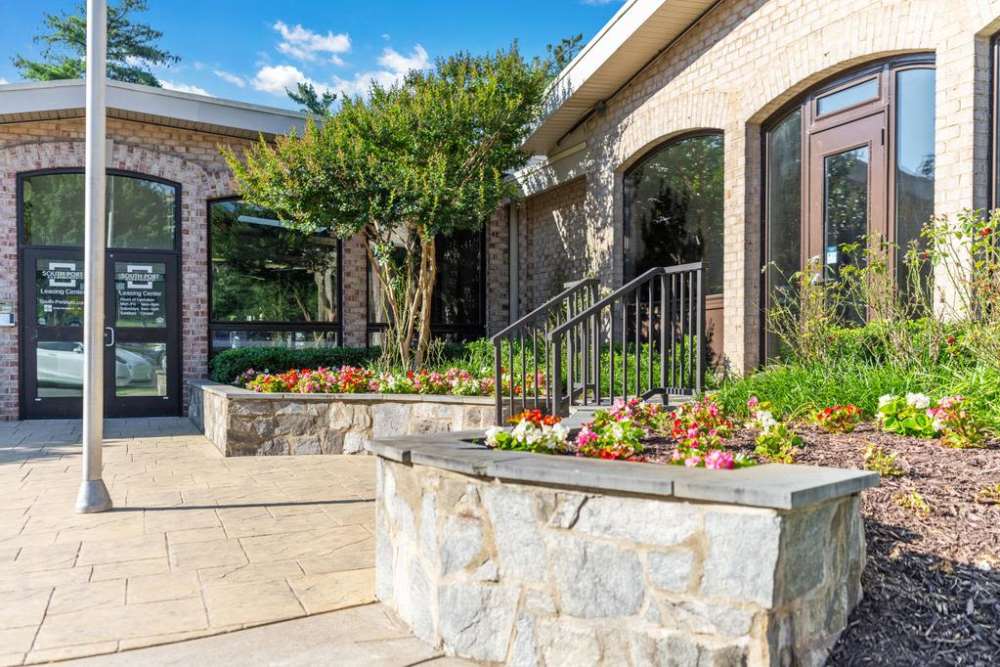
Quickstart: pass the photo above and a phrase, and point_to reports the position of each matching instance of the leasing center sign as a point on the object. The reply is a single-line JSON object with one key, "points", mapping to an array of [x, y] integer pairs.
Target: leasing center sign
{"points": [[141, 294]]}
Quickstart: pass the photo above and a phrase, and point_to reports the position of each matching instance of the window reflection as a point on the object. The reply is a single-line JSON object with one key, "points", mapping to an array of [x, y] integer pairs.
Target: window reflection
{"points": [[457, 308], [784, 211], [914, 159], [141, 369], [59, 369], [271, 286], [141, 213], [264, 272], [674, 208], [848, 97]]}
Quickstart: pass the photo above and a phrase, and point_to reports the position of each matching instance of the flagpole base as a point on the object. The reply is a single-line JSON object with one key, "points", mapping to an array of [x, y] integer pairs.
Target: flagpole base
{"points": [[93, 497]]}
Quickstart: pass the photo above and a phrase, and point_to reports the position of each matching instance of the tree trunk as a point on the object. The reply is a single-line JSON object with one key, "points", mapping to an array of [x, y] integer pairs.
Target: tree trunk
{"points": [[428, 277]]}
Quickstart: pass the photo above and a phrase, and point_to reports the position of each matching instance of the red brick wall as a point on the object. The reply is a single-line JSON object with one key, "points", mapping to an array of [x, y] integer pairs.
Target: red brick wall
{"points": [[188, 157]]}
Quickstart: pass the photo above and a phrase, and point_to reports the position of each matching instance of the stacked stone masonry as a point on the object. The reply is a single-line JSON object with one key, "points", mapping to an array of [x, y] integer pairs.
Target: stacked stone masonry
{"points": [[242, 423], [541, 575]]}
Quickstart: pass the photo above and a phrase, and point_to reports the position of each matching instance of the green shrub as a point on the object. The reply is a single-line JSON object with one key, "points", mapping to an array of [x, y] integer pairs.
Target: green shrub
{"points": [[226, 366]]}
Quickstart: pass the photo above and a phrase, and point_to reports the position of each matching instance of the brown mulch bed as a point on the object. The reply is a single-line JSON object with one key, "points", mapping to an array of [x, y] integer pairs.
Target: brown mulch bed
{"points": [[932, 581]]}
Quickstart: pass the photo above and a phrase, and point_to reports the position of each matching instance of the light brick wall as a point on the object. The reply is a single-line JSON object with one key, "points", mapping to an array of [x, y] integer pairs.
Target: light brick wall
{"points": [[555, 248], [732, 72]]}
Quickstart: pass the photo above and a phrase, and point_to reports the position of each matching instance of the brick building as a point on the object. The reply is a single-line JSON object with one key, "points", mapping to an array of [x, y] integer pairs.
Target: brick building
{"points": [[748, 133], [741, 133], [191, 269]]}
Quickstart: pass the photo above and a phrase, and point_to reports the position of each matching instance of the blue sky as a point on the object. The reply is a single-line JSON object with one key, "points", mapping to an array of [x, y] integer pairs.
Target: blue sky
{"points": [[252, 49]]}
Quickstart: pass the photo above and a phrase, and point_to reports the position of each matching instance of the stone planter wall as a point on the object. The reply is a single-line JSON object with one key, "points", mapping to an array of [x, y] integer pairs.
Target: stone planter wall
{"points": [[240, 422], [528, 559]]}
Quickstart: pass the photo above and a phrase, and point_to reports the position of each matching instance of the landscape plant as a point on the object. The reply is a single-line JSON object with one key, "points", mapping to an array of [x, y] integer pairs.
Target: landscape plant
{"points": [[533, 431], [839, 418], [401, 166]]}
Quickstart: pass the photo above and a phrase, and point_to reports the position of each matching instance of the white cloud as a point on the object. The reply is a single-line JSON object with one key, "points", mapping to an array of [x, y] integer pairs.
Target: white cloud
{"points": [[396, 66], [304, 44], [3, 81], [397, 62], [228, 77], [276, 79], [184, 88]]}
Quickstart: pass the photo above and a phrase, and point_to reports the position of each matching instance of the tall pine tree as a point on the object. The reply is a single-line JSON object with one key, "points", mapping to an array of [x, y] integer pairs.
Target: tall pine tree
{"points": [[132, 49]]}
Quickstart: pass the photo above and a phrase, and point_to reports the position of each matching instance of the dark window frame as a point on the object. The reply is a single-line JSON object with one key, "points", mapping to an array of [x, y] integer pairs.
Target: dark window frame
{"points": [[806, 102], [269, 326], [22, 245], [648, 154], [179, 195], [462, 332]]}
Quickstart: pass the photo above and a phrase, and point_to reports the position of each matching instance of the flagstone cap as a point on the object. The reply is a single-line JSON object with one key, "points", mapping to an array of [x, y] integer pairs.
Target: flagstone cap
{"points": [[776, 486]]}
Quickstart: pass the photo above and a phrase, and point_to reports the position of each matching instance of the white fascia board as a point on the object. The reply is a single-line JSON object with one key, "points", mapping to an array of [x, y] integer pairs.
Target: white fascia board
{"points": [[60, 96], [543, 174], [612, 37]]}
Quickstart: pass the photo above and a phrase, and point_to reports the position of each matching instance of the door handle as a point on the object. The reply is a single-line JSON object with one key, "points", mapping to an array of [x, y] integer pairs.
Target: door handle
{"points": [[111, 336]]}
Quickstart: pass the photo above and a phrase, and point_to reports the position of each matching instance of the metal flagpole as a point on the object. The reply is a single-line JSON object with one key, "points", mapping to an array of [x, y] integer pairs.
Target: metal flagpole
{"points": [[93, 496]]}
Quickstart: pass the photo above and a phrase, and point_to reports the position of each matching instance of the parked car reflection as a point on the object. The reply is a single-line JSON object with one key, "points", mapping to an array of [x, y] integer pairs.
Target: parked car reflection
{"points": [[60, 364]]}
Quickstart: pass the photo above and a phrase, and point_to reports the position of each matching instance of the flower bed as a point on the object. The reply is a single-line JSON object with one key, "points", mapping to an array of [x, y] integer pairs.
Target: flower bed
{"points": [[240, 422], [356, 380]]}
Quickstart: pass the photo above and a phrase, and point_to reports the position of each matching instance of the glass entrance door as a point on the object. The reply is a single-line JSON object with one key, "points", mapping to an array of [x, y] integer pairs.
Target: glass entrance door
{"points": [[52, 316], [847, 192], [141, 337], [141, 365]]}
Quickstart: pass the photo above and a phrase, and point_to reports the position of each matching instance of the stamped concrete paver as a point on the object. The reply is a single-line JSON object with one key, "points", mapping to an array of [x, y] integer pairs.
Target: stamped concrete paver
{"points": [[197, 544]]}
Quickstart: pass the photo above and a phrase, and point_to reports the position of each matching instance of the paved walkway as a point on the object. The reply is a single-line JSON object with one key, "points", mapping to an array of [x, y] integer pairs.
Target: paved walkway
{"points": [[367, 636], [197, 544]]}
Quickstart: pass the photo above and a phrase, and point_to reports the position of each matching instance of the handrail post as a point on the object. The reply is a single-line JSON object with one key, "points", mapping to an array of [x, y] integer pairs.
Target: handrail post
{"points": [[699, 379], [498, 381], [556, 380]]}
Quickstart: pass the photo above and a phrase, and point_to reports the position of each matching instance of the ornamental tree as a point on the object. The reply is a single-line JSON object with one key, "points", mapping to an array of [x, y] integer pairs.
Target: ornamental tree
{"points": [[408, 163]]}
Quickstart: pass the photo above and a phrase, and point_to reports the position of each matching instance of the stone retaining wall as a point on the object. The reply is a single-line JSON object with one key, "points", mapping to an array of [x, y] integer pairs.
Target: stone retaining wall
{"points": [[240, 422], [528, 559]]}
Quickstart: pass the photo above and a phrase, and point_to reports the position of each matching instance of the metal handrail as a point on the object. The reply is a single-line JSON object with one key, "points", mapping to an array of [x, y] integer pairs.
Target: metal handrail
{"points": [[679, 310], [624, 289], [557, 300], [528, 330]]}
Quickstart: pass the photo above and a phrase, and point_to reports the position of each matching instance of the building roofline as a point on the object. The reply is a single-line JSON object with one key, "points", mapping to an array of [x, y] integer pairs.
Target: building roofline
{"points": [[25, 101], [637, 33]]}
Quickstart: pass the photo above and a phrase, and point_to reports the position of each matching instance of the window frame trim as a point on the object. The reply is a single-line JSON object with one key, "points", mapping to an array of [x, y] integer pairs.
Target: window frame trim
{"points": [[22, 241], [280, 326]]}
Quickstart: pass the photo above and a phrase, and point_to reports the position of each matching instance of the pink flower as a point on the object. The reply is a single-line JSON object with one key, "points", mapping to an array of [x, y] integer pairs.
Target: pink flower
{"points": [[692, 432], [949, 402], [719, 460], [692, 461], [585, 437], [676, 456], [753, 402]]}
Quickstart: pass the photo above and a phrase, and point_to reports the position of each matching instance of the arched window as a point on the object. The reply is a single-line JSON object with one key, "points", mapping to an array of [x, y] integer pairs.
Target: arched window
{"points": [[849, 160], [674, 215], [673, 208]]}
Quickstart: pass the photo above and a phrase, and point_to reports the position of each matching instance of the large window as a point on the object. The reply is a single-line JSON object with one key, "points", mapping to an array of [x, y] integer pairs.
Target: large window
{"points": [[674, 208], [847, 164], [458, 307], [142, 213], [270, 286]]}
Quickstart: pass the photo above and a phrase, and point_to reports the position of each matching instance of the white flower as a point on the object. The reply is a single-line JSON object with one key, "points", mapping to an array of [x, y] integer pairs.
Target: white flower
{"points": [[919, 401], [766, 420], [560, 432], [491, 434], [885, 400], [938, 425]]}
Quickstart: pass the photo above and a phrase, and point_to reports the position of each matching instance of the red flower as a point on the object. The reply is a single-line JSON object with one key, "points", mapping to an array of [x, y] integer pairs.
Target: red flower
{"points": [[985, 231]]}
